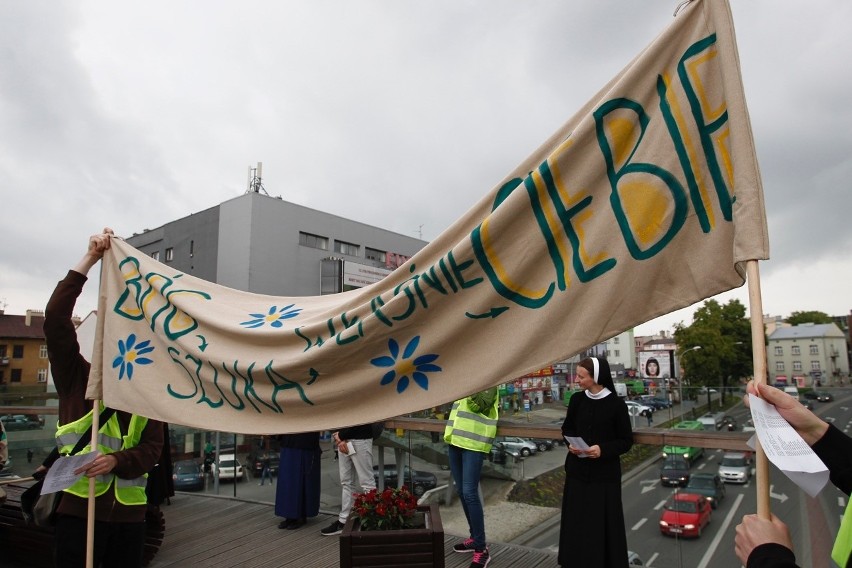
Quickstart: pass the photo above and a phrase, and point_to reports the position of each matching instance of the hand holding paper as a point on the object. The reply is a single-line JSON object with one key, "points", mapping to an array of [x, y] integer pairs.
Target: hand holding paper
{"points": [[785, 448], [579, 444]]}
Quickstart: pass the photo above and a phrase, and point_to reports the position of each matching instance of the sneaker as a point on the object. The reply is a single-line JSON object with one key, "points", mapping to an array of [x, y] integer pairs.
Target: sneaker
{"points": [[464, 546], [334, 528], [481, 558]]}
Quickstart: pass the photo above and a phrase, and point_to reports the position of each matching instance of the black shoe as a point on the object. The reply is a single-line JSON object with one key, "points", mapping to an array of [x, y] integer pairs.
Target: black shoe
{"points": [[295, 523], [334, 528], [285, 523]]}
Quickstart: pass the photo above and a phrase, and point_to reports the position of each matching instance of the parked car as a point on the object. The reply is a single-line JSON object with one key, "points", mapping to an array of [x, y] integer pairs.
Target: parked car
{"points": [[19, 422], [187, 475], [685, 514], [542, 444], [516, 445], [735, 467], [708, 484], [636, 409], [229, 467], [823, 396], [810, 395], [654, 401], [674, 471], [255, 462], [418, 481]]}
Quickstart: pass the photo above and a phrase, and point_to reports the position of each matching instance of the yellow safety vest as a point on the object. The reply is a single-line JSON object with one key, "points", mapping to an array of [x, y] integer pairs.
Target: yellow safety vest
{"points": [[842, 550], [109, 440], [471, 430]]}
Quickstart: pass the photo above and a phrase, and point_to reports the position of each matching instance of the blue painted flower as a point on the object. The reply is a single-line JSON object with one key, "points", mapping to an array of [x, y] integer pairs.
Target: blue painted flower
{"points": [[131, 354], [273, 317], [404, 366]]}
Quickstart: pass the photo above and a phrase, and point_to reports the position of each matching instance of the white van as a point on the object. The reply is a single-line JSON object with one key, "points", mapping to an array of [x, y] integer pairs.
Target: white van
{"points": [[792, 391], [713, 421]]}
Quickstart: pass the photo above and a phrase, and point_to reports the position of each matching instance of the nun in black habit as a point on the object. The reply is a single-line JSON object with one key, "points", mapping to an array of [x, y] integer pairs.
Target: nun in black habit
{"points": [[592, 531], [297, 493]]}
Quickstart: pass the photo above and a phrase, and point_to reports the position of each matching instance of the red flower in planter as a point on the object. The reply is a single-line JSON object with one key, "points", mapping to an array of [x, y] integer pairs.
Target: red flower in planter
{"points": [[388, 510]]}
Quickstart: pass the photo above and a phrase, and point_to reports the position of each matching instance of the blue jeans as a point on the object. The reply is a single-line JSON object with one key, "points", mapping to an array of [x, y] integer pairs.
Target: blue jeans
{"points": [[466, 469]]}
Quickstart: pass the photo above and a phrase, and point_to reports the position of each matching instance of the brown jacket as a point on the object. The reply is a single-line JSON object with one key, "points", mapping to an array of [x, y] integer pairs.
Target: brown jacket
{"points": [[70, 374]]}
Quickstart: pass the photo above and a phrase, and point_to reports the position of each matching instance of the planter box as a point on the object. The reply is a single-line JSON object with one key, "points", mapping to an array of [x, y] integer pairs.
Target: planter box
{"points": [[418, 548]]}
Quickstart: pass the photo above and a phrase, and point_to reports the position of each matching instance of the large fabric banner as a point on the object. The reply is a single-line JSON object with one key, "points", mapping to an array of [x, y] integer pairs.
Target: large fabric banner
{"points": [[646, 201]]}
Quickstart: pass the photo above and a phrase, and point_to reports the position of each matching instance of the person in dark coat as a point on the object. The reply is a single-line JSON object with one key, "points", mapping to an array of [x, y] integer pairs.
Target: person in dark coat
{"points": [[766, 543], [592, 531], [297, 493]]}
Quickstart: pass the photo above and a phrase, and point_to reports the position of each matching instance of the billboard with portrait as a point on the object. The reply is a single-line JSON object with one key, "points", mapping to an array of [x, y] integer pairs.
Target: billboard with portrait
{"points": [[656, 364]]}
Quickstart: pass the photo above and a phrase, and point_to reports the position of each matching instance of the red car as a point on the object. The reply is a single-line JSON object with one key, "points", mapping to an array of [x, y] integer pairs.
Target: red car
{"points": [[685, 514]]}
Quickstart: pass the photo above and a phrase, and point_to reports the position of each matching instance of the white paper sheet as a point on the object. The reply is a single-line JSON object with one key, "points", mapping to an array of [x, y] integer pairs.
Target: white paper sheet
{"points": [[578, 443], [786, 449], [61, 474]]}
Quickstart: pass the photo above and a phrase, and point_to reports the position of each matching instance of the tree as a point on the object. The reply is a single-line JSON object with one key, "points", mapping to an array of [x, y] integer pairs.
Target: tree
{"points": [[724, 334], [797, 318]]}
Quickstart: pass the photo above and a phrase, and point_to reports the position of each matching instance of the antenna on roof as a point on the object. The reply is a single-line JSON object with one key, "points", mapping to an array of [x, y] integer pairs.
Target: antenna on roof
{"points": [[255, 180]]}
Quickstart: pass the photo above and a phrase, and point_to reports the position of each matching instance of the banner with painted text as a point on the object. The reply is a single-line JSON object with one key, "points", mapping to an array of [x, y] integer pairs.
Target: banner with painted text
{"points": [[648, 200]]}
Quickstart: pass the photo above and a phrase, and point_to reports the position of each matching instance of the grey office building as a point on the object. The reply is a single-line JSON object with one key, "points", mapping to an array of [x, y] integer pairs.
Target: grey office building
{"points": [[266, 245]]}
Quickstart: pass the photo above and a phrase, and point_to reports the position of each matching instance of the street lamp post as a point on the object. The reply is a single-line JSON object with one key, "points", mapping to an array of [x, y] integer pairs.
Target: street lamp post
{"points": [[680, 379]]}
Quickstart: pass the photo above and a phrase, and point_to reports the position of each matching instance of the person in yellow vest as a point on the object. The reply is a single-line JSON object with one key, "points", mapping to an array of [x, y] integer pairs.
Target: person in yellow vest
{"points": [[766, 543], [469, 434], [128, 445]]}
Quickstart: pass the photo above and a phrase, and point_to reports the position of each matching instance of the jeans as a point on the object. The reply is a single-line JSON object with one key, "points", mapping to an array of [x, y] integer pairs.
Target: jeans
{"points": [[265, 474], [359, 464], [466, 469]]}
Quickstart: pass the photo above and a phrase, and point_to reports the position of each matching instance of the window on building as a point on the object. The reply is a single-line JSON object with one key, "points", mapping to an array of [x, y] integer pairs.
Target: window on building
{"points": [[374, 254], [42, 375], [170, 254], [346, 248], [779, 366], [814, 365], [42, 352], [779, 350], [797, 365], [814, 349], [156, 255], [17, 352], [313, 241], [16, 376], [617, 353], [2, 377], [2, 351], [795, 350], [615, 340]]}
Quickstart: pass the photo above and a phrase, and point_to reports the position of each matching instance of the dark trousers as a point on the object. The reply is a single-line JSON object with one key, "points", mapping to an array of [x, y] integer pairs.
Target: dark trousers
{"points": [[117, 545]]}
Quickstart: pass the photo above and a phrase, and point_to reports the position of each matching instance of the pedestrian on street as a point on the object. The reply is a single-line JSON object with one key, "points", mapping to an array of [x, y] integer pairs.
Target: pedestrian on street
{"points": [[29, 455], [650, 417], [265, 472]]}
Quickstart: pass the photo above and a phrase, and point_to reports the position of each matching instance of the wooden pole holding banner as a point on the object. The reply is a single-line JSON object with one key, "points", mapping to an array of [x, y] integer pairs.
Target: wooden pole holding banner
{"points": [[90, 518], [758, 346]]}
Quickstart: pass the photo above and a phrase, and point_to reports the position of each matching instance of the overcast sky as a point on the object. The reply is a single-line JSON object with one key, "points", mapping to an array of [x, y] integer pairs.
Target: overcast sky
{"points": [[399, 114]]}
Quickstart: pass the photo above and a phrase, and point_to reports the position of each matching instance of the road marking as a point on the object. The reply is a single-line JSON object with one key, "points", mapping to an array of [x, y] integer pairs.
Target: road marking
{"points": [[648, 485], [841, 502], [780, 496], [653, 557], [660, 505], [720, 534], [639, 524], [702, 465]]}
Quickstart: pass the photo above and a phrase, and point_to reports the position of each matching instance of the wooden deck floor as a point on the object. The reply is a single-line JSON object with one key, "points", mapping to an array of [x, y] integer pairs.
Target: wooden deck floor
{"points": [[220, 532]]}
